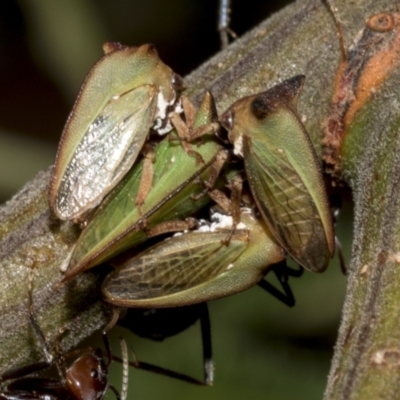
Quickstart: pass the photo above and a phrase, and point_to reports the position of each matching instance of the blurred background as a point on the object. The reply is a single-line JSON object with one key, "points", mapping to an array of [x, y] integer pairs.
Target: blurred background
{"points": [[47, 47], [262, 348]]}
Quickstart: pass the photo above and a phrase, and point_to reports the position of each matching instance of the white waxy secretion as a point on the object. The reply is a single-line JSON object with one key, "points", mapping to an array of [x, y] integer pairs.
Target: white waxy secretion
{"points": [[222, 221], [238, 146], [126, 93]]}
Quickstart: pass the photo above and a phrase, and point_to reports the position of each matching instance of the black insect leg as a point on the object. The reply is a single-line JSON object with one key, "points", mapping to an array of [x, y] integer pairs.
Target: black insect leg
{"points": [[207, 345], [282, 272]]}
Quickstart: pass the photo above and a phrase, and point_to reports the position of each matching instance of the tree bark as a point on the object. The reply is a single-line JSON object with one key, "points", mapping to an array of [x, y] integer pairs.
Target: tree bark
{"points": [[353, 117]]}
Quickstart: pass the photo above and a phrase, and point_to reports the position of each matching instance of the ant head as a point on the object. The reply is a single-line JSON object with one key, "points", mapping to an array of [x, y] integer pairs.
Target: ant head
{"points": [[87, 377]]}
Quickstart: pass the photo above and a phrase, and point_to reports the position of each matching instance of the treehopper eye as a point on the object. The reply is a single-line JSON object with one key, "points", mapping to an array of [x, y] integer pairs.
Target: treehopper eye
{"points": [[283, 172], [119, 224], [128, 91], [195, 267]]}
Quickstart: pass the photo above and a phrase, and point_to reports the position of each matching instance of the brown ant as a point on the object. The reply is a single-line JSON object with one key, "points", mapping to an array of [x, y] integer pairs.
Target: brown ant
{"points": [[84, 378]]}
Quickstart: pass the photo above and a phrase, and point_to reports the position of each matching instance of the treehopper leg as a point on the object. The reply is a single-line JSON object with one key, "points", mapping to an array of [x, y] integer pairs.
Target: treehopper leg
{"points": [[172, 226]]}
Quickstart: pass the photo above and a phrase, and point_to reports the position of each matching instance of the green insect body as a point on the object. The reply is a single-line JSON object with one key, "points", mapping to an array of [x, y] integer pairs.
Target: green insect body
{"points": [[283, 172], [118, 224], [127, 92], [195, 267]]}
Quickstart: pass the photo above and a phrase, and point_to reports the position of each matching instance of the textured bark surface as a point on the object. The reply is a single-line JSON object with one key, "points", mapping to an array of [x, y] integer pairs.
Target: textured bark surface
{"points": [[301, 39]]}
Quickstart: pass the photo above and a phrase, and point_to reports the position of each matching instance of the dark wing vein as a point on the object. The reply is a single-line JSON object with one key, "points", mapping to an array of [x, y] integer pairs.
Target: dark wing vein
{"points": [[175, 265], [286, 204]]}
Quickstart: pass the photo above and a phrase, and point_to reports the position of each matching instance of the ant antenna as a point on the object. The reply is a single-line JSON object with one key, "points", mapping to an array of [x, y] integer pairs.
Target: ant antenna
{"points": [[338, 24], [125, 369], [47, 352]]}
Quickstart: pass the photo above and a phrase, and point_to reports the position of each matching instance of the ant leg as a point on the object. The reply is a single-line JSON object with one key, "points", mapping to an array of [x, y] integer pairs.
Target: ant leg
{"points": [[286, 297], [223, 23], [39, 333]]}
